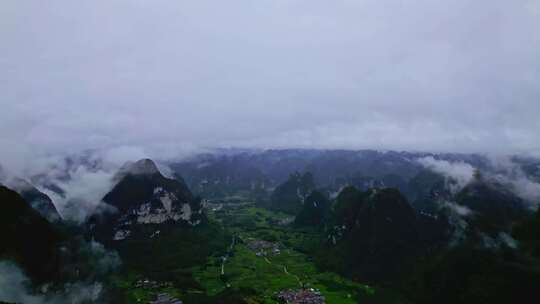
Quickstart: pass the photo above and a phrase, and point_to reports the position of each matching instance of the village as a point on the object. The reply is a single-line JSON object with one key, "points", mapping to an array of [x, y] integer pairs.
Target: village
{"points": [[300, 296], [303, 295], [155, 286], [164, 298], [263, 248]]}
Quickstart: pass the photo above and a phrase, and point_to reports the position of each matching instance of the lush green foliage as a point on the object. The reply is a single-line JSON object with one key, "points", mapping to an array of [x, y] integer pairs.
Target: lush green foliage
{"points": [[315, 210], [28, 238], [293, 267], [528, 232], [374, 235], [288, 197], [470, 275]]}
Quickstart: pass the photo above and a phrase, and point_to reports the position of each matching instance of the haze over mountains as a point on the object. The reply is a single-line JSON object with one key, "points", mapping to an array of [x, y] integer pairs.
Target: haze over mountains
{"points": [[377, 215], [77, 184]]}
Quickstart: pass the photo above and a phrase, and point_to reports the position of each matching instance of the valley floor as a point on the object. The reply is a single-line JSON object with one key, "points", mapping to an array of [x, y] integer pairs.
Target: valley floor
{"points": [[264, 256], [270, 270]]}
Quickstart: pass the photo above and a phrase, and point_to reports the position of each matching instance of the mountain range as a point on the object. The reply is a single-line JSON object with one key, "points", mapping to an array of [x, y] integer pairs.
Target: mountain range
{"points": [[393, 219]]}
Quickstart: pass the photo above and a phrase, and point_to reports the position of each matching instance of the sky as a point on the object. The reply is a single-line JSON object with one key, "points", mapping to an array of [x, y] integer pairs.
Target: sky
{"points": [[172, 76]]}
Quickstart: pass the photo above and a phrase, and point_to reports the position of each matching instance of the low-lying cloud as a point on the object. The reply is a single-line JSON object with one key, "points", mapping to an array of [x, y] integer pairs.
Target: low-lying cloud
{"points": [[76, 183], [92, 262], [503, 170], [15, 288], [460, 173], [509, 172], [459, 210], [81, 193]]}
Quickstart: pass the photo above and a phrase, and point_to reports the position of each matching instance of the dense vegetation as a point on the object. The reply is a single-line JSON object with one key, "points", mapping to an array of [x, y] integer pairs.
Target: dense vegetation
{"points": [[315, 210], [27, 238], [289, 197], [373, 235], [469, 273]]}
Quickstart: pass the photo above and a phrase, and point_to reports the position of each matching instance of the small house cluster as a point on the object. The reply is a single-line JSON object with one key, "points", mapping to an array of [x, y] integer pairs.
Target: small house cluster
{"points": [[263, 248], [164, 298], [149, 284], [300, 296]]}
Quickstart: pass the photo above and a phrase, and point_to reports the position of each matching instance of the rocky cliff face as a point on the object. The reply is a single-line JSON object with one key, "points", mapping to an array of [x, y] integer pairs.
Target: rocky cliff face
{"points": [[143, 196]]}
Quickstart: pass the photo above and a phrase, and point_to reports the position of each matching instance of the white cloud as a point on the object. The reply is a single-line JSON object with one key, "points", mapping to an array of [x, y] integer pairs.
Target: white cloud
{"points": [[459, 172], [14, 289], [502, 169], [83, 192], [461, 211], [509, 172]]}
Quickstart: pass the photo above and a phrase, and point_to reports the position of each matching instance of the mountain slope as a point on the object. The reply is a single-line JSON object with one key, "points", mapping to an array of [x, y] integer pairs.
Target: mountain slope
{"points": [[374, 234], [27, 238], [156, 225], [40, 201], [143, 196], [494, 208], [315, 210], [289, 197]]}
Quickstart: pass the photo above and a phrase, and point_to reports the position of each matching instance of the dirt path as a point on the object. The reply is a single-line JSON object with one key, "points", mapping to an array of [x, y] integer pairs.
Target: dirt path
{"points": [[285, 271], [231, 249], [229, 253]]}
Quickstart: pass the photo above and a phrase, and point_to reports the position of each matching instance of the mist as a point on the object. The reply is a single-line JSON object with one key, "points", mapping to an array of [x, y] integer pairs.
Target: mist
{"points": [[93, 263], [509, 172], [171, 77], [502, 169], [15, 288], [460, 173]]}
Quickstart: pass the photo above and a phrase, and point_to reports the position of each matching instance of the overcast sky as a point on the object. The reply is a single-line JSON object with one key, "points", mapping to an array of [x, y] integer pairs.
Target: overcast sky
{"points": [[452, 75]]}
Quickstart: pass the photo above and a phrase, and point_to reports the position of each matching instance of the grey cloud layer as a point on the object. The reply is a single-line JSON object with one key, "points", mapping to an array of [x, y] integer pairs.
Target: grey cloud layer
{"points": [[458, 75], [502, 170], [14, 284]]}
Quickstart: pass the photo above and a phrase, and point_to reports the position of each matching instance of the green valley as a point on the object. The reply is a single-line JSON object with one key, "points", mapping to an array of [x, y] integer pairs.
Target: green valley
{"points": [[265, 254]]}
